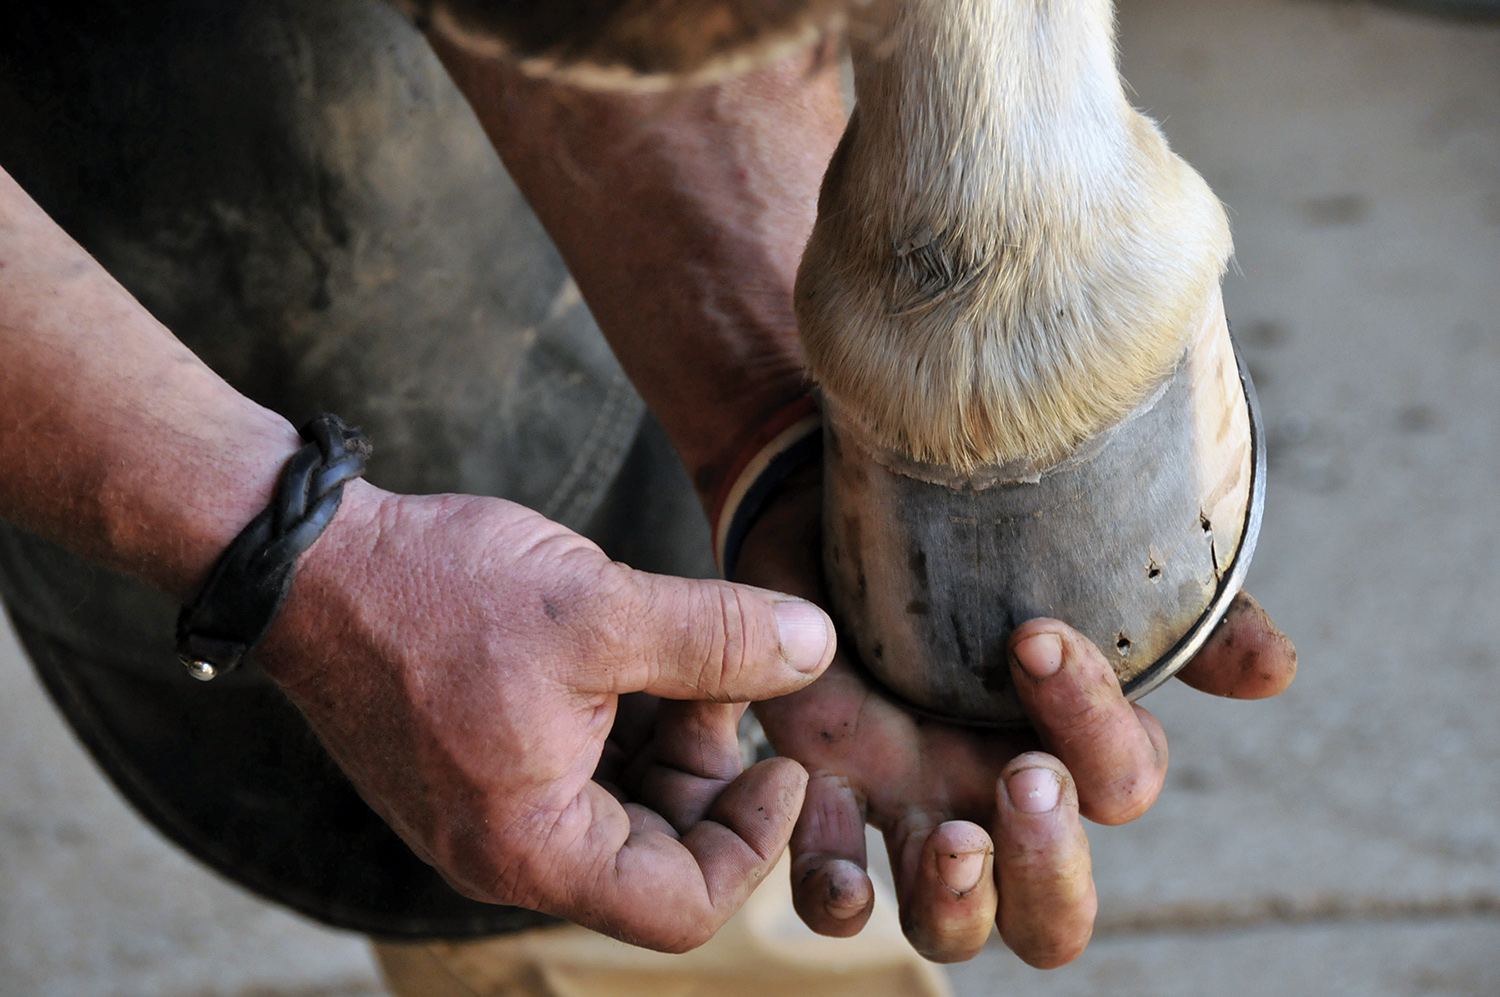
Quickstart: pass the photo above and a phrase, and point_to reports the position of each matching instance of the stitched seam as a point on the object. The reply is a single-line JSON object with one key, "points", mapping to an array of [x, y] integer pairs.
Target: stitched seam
{"points": [[599, 455]]}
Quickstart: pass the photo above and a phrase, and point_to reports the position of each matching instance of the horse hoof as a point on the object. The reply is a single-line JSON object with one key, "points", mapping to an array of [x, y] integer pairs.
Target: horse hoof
{"points": [[1139, 538]]}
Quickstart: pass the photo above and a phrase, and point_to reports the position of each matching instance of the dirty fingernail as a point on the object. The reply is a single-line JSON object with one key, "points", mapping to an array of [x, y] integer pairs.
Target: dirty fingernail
{"points": [[805, 634], [843, 908], [1040, 656], [1034, 791], [960, 871], [846, 890]]}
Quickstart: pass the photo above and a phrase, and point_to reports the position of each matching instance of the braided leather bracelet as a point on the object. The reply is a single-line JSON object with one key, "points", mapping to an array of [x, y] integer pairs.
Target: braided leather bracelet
{"points": [[250, 582]]}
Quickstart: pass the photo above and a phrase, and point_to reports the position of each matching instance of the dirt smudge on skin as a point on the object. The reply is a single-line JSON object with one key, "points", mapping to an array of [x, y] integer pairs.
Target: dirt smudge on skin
{"points": [[1251, 657]]}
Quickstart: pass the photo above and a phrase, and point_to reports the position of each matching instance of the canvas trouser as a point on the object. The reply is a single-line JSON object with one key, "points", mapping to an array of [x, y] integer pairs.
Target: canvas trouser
{"points": [[299, 192]]}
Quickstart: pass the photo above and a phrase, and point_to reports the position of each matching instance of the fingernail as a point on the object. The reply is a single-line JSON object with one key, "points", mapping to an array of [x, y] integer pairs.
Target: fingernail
{"points": [[843, 911], [804, 632], [1034, 791], [960, 871], [1040, 656]]}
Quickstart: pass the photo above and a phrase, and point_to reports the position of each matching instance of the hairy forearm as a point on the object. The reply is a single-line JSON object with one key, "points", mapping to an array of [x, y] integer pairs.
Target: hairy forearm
{"points": [[682, 216], [116, 441]]}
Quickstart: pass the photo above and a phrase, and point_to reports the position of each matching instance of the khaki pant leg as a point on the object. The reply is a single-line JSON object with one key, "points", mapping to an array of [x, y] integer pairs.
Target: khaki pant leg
{"points": [[763, 949]]}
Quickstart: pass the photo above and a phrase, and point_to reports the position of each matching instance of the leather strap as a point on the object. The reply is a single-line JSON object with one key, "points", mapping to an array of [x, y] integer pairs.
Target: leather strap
{"points": [[250, 582]]}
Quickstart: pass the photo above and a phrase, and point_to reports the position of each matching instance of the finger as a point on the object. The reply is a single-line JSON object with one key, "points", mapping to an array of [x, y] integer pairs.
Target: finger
{"points": [[1116, 753], [635, 721], [692, 639], [831, 890], [609, 869], [693, 756], [644, 820], [1246, 656], [946, 888], [1047, 898]]}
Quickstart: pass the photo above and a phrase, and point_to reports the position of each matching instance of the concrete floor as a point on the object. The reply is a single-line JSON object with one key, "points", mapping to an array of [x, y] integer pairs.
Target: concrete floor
{"points": [[1344, 839]]}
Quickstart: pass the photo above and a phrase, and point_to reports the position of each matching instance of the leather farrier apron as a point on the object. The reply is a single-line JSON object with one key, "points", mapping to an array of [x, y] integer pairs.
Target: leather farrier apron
{"points": [[298, 191]]}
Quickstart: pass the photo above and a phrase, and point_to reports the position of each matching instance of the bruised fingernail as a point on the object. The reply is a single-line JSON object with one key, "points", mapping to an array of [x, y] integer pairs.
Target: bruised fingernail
{"points": [[846, 890], [1034, 791], [960, 871], [1040, 655], [805, 634]]}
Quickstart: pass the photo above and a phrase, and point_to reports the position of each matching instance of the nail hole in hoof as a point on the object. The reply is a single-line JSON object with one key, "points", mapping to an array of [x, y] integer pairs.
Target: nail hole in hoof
{"points": [[1122, 644], [1153, 571], [1203, 522]]}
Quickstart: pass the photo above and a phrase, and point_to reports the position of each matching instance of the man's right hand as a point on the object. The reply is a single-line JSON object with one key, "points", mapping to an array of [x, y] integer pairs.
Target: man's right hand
{"points": [[464, 660]]}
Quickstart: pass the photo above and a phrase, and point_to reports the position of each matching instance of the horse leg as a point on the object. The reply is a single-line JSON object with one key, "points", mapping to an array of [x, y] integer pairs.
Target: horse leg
{"points": [[1010, 304]]}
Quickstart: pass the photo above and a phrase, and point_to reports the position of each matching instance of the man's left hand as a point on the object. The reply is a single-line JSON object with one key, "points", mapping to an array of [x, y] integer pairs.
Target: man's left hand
{"points": [[982, 826]]}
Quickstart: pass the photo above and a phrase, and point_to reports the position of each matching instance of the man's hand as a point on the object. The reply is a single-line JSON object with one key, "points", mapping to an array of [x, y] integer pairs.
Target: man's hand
{"points": [[682, 216], [464, 659], [982, 826]]}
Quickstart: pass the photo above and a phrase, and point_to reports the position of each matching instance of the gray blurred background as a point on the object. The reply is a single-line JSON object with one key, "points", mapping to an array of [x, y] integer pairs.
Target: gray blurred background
{"points": [[1343, 839]]}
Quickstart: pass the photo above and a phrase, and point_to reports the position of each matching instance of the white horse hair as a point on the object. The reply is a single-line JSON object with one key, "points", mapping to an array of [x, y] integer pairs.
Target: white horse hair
{"points": [[1008, 258]]}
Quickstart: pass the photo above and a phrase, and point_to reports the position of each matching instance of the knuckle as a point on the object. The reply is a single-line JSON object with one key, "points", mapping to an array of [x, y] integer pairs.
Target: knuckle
{"points": [[1094, 724], [695, 632], [1118, 770], [1086, 705], [514, 882], [733, 659], [598, 610], [492, 871], [1125, 799], [721, 639], [614, 632]]}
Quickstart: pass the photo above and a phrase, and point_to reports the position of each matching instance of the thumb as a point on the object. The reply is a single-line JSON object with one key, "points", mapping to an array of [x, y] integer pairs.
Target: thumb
{"points": [[695, 639]]}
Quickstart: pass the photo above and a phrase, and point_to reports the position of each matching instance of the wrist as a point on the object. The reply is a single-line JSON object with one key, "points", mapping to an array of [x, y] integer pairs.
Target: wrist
{"points": [[716, 445], [327, 582], [682, 217], [782, 549], [226, 474], [252, 578], [781, 449]]}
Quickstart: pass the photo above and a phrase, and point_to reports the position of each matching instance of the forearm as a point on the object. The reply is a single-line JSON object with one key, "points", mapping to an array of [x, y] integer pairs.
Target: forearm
{"points": [[116, 441], [682, 216]]}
